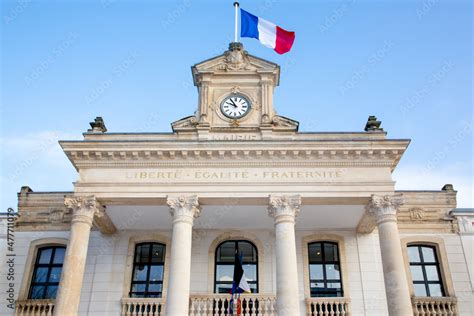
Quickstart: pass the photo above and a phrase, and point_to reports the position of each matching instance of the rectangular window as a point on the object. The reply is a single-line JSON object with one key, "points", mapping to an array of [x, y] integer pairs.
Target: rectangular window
{"points": [[425, 271], [324, 270]]}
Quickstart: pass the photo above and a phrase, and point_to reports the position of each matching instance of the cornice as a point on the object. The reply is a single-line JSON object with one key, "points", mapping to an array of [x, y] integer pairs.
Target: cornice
{"points": [[327, 153]]}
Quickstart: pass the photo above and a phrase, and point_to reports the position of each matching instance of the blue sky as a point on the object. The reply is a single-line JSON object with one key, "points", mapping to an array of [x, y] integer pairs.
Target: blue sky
{"points": [[65, 62]]}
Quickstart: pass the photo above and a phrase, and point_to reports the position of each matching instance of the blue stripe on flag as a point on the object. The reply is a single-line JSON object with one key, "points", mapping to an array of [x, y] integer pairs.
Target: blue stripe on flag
{"points": [[248, 24]]}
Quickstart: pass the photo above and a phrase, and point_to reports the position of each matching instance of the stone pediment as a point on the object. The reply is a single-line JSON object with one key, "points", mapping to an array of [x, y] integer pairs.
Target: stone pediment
{"points": [[236, 59]]}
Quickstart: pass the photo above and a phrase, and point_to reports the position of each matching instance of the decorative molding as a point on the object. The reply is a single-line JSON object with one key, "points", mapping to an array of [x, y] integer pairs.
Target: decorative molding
{"points": [[284, 207], [184, 208], [385, 207], [86, 209], [417, 213], [56, 216], [281, 122], [185, 124], [86, 206]]}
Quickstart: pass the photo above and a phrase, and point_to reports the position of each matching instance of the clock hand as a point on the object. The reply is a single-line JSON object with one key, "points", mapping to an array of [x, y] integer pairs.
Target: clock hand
{"points": [[233, 103]]}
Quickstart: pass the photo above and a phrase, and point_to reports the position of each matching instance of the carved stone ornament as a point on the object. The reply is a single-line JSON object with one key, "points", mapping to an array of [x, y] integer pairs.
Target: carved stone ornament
{"points": [[56, 216], [236, 59], [84, 206], [284, 207], [417, 214], [385, 207], [281, 121], [184, 207], [186, 123]]}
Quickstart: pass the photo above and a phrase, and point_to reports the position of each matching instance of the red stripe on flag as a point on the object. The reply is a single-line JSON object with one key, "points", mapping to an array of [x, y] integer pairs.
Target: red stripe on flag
{"points": [[284, 40]]}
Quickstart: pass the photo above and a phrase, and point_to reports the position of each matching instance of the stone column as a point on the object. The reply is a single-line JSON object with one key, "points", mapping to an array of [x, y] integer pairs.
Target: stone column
{"points": [[70, 286], [183, 210], [384, 209], [284, 210]]}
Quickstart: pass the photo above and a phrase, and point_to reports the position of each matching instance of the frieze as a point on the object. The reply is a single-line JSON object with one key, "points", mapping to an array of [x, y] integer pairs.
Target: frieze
{"points": [[225, 175]]}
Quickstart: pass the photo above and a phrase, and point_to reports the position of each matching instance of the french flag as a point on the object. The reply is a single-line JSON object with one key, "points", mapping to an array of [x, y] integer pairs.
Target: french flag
{"points": [[266, 32]]}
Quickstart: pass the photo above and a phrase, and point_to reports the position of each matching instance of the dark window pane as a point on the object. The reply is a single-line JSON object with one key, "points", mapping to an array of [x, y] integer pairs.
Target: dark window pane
{"points": [[435, 290], [315, 253], [51, 292], [316, 272], [143, 253], [420, 289], [330, 252], [41, 275], [37, 292], [140, 273], [432, 273], [55, 274], [332, 272], [156, 273], [247, 251], [137, 295], [158, 253], [45, 255], [428, 254], [223, 288], [59, 255], [416, 273], [225, 273], [413, 254], [226, 252], [250, 271]]}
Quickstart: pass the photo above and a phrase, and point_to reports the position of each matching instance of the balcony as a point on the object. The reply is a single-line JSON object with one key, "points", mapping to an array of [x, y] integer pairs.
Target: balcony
{"points": [[34, 308], [434, 306], [218, 304], [143, 306], [334, 306]]}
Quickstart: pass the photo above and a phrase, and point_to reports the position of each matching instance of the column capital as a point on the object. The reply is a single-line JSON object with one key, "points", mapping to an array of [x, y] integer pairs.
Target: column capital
{"points": [[384, 208], [284, 207], [184, 208], [84, 208]]}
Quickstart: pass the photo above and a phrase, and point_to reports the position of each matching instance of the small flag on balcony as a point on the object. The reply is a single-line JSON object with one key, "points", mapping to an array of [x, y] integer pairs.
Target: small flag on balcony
{"points": [[239, 284]]}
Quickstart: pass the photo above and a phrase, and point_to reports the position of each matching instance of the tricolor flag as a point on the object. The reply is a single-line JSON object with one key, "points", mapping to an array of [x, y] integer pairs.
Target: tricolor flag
{"points": [[239, 283], [266, 32]]}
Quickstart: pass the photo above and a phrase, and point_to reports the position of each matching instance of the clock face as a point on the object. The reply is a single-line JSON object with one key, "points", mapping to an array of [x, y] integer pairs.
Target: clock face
{"points": [[235, 106]]}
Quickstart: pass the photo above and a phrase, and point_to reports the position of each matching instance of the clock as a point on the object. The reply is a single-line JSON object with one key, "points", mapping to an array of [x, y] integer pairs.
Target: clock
{"points": [[235, 106]]}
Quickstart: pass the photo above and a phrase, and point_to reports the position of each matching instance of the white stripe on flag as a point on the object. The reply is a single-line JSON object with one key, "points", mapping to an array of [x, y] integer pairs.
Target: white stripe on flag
{"points": [[244, 285], [266, 33]]}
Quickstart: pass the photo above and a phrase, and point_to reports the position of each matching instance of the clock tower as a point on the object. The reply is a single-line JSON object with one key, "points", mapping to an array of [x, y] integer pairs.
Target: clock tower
{"points": [[235, 99]]}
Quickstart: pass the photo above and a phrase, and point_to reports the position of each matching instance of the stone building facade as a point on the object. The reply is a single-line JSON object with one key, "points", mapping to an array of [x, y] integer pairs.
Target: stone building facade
{"points": [[154, 220]]}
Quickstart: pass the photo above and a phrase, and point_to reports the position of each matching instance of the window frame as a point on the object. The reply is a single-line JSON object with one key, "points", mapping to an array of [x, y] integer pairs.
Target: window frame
{"points": [[438, 243], [31, 259], [325, 263], [256, 263], [149, 264], [50, 265], [423, 265]]}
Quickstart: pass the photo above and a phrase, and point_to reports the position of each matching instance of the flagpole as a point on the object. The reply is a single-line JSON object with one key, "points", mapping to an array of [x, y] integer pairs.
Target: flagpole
{"points": [[236, 6]]}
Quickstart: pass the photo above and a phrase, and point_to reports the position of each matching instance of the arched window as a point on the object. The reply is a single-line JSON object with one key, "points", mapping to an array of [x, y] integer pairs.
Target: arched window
{"points": [[147, 273], [224, 265], [324, 269], [425, 270], [47, 272]]}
